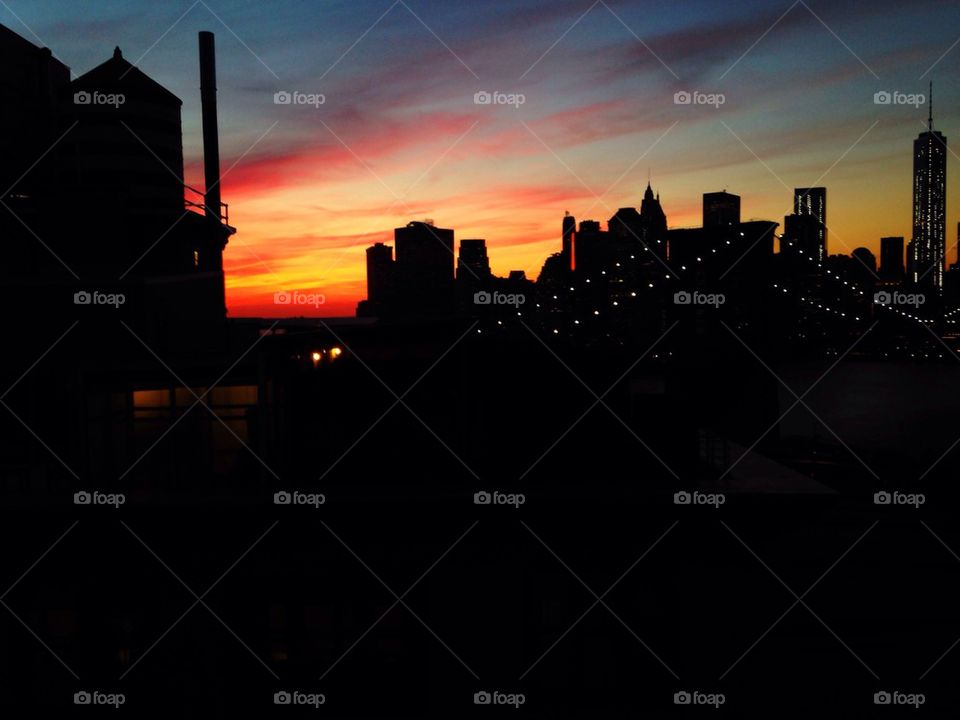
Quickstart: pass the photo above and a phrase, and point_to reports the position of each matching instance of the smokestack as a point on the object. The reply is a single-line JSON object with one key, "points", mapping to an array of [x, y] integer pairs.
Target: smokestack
{"points": [[211, 139]]}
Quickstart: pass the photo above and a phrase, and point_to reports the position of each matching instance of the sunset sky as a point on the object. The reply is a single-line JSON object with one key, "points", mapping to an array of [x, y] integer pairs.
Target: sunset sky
{"points": [[399, 136]]}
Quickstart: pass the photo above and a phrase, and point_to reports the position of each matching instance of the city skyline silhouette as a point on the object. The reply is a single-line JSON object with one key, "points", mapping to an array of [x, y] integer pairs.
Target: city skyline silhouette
{"points": [[498, 181], [435, 358]]}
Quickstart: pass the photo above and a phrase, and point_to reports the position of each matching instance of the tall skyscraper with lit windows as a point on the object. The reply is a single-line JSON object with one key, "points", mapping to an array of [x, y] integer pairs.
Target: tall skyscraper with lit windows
{"points": [[929, 204], [813, 202]]}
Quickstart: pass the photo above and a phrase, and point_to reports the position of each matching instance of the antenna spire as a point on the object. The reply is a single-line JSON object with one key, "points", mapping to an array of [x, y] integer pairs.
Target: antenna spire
{"points": [[930, 103]]}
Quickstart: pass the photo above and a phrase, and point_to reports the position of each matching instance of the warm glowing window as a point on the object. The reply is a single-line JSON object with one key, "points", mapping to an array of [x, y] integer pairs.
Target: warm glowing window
{"points": [[151, 398], [219, 397], [223, 436], [236, 395]]}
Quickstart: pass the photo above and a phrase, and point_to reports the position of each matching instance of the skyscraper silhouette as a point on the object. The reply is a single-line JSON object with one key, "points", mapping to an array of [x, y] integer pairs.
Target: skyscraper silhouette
{"points": [[813, 201], [425, 268], [721, 209], [569, 231], [472, 261], [891, 258], [380, 276], [654, 223], [929, 204], [801, 234]]}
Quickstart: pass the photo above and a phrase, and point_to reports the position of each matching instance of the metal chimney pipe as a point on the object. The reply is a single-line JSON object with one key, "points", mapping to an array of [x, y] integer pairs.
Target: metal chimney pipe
{"points": [[211, 139]]}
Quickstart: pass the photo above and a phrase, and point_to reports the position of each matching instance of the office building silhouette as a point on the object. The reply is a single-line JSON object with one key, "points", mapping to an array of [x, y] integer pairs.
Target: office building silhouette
{"points": [[813, 202], [929, 205], [891, 258], [721, 209]]}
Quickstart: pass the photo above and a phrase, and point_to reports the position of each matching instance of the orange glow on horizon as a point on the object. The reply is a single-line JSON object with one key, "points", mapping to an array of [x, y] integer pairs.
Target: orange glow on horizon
{"points": [[304, 221]]}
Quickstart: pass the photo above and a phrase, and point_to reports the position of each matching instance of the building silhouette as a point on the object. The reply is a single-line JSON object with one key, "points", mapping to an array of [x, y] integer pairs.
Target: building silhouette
{"points": [[626, 223], [653, 223], [425, 268], [381, 281], [891, 259], [472, 261], [568, 231], [911, 262], [813, 202], [102, 211], [473, 272], [801, 237], [113, 154], [107, 202], [590, 245], [721, 209], [864, 267], [929, 205], [35, 96]]}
